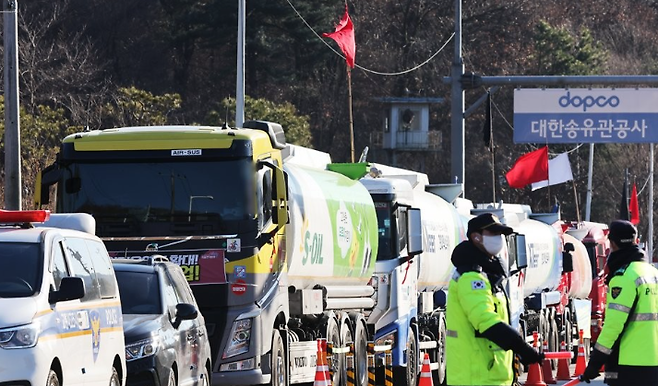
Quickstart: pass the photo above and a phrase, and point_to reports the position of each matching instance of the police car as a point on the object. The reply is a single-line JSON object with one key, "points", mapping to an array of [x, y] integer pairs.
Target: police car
{"points": [[60, 312]]}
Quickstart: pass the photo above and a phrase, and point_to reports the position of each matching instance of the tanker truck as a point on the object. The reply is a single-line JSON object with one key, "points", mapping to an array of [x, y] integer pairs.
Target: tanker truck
{"points": [[279, 251], [594, 237], [561, 276], [411, 309]]}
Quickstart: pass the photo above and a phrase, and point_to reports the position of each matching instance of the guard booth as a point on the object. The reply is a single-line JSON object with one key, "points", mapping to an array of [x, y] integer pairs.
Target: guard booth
{"points": [[405, 128]]}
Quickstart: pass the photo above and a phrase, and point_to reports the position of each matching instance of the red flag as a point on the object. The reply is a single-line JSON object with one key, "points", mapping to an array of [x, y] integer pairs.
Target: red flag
{"points": [[344, 37], [529, 168], [633, 207]]}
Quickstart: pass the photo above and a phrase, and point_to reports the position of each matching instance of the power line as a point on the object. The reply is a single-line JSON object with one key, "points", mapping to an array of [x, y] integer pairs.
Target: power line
{"points": [[367, 69]]}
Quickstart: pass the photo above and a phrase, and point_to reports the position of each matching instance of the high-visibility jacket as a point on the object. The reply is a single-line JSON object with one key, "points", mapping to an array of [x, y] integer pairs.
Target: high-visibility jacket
{"points": [[632, 315], [473, 308]]}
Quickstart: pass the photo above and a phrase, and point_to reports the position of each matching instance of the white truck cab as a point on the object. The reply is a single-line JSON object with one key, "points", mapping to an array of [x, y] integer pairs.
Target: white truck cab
{"points": [[60, 312]]}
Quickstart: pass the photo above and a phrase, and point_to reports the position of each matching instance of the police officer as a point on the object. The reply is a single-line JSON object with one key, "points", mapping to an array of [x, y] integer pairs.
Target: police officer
{"points": [[479, 337], [628, 343]]}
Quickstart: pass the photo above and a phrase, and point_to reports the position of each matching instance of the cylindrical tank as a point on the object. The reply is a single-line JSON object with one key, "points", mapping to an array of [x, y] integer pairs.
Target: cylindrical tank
{"points": [[581, 277], [331, 238], [544, 252], [443, 229]]}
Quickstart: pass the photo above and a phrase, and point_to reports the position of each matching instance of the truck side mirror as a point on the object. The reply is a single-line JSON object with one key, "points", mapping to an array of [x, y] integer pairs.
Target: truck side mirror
{"points": [[280, 212], [567, 258], [414, 232], [517, 250], [45, 179]]}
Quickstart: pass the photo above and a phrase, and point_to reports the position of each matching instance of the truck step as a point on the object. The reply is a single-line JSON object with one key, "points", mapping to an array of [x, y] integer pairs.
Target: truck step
{"points": [[427, 345]]}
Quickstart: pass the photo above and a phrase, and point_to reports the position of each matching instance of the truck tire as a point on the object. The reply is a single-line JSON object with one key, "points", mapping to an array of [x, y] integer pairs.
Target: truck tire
{"points": [[439, 376], [279, 375], [408, 375], [553, 339], [360, 353], [337, 361]]}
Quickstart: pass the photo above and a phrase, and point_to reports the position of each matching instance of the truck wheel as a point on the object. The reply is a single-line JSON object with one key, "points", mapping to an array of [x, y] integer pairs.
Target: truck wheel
{"points": [[439, 375], [278, 361], [553, 341], [408, 375], [337, 361], [567, 335], [360, 354]]}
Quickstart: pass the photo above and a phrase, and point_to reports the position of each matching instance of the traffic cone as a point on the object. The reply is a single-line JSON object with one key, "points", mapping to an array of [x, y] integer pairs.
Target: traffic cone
{"points": [[563, 366], [321, 369], [580, 361], [325, 361], [426, 373], [546, 367], [535, 376]]}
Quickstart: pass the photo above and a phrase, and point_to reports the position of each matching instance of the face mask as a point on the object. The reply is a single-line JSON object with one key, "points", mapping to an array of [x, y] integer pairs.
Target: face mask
{"points": [[493, 244]]}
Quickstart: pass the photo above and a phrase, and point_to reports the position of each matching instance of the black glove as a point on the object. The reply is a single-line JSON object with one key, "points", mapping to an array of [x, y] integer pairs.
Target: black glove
{"points": [[529, 355], [507, 338], [596, 360], [583, 379]]}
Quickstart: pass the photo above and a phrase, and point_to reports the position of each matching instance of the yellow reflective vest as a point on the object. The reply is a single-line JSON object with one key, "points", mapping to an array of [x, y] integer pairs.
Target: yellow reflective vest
{"points": [[472, 308], [632, 300]]}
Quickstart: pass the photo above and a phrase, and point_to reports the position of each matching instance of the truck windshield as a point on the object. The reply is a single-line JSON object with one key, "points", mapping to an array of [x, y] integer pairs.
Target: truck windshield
{"points": [[386, 231], [20, 269], [158, 192]]}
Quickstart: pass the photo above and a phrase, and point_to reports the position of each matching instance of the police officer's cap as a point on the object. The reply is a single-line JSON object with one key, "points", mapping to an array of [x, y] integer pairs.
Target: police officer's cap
{"points": [[489, 222], [622, 232]]}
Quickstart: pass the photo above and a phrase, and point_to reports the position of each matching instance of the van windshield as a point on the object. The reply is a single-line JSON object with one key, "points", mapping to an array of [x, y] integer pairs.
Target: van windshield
{"points": [[20, 269], [139, 291]]}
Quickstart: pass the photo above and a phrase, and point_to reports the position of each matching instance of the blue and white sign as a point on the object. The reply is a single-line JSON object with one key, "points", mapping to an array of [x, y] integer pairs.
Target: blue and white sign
{"points": [[599, 115]]}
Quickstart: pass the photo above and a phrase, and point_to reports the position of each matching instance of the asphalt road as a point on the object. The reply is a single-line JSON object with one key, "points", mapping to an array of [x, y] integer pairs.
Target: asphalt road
{"points": [[596, 382]]}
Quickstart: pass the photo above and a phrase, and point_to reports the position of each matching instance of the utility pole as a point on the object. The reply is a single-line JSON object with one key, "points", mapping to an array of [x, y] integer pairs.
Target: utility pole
{"points": [[239, 86], [12, 124], [457, 135]]}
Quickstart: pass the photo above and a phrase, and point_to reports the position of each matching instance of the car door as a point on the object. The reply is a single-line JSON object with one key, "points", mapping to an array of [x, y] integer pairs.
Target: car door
{"points": [[81, 322], [188, 329], [180, 336], [67, 325]]}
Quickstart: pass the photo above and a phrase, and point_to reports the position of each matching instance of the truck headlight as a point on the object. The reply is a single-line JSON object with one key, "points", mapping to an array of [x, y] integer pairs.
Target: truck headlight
{"points": [[239, 338], [142, 349], [19, 337]]}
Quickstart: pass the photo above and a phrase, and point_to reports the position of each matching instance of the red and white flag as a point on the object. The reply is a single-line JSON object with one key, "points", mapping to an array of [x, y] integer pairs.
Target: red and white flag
{"points": [[559, 171], [530, 167]]}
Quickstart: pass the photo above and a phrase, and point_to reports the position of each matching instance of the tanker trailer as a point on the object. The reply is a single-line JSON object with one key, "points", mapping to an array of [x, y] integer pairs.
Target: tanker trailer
{"points": [[594, 238], [555, 283], [331, 246], [411, 311]]}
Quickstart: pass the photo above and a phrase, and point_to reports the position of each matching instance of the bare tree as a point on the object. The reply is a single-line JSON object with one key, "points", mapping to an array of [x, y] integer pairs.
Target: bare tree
{"points": [[60, 69]]}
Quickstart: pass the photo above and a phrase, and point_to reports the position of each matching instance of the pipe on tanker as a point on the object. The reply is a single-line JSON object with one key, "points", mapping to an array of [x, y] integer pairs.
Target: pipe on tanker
{"points": [[349, 291], [349, 303]]}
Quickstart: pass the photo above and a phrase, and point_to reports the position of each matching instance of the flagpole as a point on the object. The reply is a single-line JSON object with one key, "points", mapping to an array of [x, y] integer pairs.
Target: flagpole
{"points": [[549, 184], [575, 196], [650, 211], [349, 92], [493, 148], [590, 171]]}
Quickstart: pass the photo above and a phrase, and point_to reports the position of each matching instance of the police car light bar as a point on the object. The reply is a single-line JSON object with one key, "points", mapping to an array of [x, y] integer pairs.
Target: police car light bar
{"points": [[23, 216]]}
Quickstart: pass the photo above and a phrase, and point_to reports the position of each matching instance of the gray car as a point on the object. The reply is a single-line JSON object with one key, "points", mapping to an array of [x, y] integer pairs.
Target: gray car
{"points": [[165, 334]]}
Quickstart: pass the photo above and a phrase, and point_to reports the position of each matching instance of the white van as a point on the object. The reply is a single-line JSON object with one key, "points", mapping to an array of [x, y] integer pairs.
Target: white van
{"points": [[60, 312]]}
